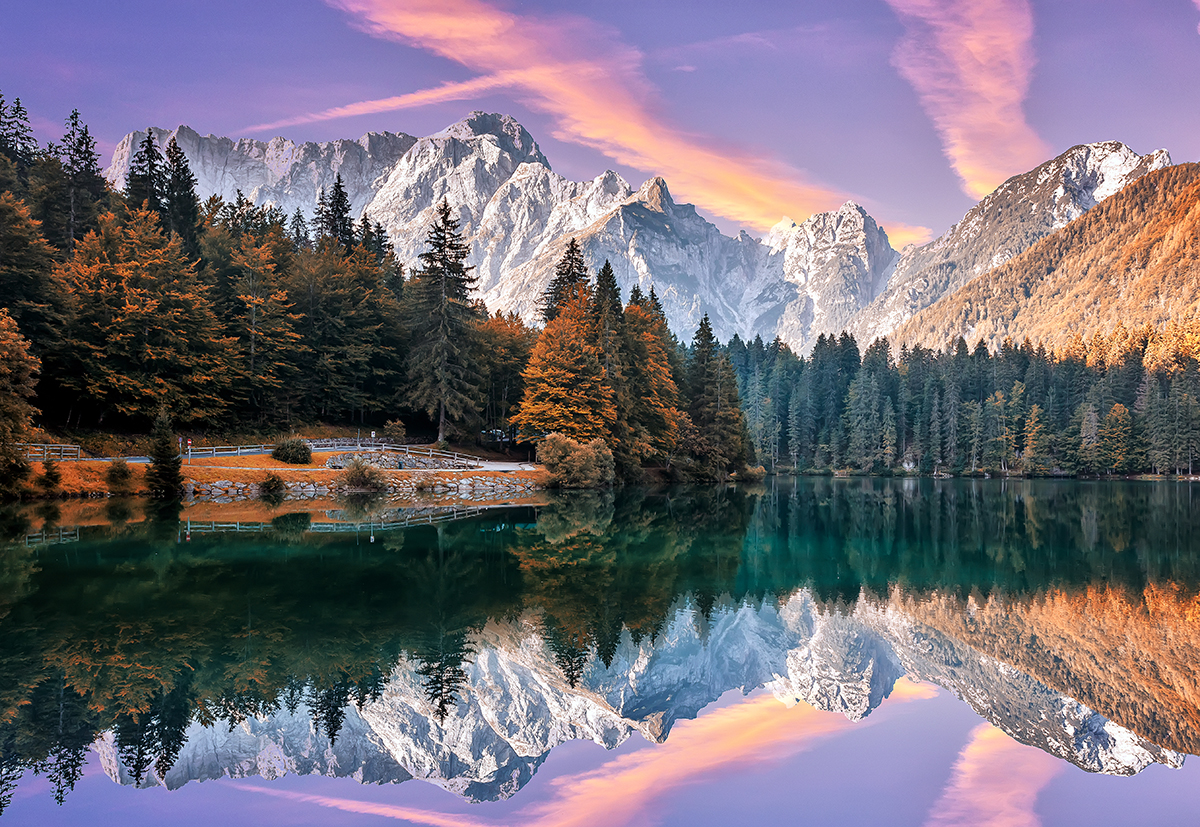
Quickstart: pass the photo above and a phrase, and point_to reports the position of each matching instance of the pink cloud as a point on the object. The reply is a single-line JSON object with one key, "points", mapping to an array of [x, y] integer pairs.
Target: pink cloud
{"points": [[592, 85], [996, 782], [970, 62]]}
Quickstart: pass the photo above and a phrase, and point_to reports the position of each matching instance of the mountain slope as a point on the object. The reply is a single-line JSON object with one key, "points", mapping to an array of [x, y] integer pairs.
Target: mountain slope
{"points": [[1133, 259], [1021, 211]]}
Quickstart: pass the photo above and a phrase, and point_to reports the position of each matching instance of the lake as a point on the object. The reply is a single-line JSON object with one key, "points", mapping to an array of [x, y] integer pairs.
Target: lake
{"points": [[817, 651]]}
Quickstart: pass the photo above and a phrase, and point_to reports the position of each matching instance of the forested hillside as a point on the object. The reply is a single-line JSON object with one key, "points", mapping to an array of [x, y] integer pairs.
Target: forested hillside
{"points": [[1133, 259], [127, 307]]}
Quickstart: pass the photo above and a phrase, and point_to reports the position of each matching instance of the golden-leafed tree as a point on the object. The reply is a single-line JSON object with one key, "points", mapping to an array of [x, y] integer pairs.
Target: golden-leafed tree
{"points": [[565, 388]]}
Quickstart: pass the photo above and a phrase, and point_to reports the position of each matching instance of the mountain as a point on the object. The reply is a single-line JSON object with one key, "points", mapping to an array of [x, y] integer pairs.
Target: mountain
{"points": [[835, 270], [278, 171], [516, 705], [1021, 211], [1135, 259]]}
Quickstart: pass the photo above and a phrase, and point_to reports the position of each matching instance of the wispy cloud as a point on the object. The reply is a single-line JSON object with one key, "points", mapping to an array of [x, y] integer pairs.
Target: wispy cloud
{"points": [[618, 793], [1197, 2], [996, 782], [971, 62], [463, 90], [592, 85]]}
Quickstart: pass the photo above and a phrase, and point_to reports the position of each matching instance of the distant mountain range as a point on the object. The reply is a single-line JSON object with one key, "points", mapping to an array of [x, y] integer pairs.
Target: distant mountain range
{"points": [[834, 271]]}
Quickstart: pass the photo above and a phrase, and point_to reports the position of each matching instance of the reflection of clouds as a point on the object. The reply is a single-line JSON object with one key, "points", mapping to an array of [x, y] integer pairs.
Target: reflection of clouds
{"points": [[995, 783], [592, 84], [755, 731], [970, 62]]}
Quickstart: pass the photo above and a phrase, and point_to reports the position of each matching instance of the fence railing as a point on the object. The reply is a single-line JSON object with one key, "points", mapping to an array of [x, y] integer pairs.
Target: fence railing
{"points": [[383, 445], [39, 451]]}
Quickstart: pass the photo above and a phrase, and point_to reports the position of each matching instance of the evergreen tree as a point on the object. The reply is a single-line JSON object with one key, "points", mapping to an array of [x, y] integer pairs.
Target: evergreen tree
{"points": [[164, 479], [18, 378], [1115, 442], [298, 231], [569, 273], [339, 225], [147, 176], [30, 288], [1035, 459], [85, 183], [180, 202], [442, 323], [16, 135]]}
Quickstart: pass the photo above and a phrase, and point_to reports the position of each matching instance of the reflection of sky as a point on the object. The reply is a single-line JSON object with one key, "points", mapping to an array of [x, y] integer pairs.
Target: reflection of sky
{"points": [[922, 758]]}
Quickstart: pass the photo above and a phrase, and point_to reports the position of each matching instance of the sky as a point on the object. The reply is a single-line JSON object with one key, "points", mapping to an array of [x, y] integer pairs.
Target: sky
{"points": [[752, 111]]}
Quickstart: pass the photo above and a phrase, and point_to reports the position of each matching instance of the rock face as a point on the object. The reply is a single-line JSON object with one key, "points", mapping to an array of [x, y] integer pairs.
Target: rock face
{"points": [[834, 271], [1022, 210], [516, 704]]}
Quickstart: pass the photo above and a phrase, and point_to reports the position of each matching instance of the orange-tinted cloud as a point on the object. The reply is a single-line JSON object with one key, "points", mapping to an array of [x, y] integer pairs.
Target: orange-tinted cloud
{"points": [[592, 85], [619, 792], [996, 783], [970, 62]]}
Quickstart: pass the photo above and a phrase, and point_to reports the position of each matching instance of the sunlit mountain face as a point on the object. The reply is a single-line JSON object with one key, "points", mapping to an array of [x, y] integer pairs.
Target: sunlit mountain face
{"points": [[463, 652]]}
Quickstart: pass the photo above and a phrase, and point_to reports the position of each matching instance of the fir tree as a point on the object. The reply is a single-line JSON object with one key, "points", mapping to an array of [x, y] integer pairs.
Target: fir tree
{"points": [[84, 182], [442, 320], [569, 273], [16, 135], [339, 225], [147, 176], [18, 378], [180, 202], [164, 479], [298, 232]]}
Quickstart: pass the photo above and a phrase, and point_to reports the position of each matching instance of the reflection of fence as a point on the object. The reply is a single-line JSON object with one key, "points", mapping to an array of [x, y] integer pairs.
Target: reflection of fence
{"points": [[50, 536], [38, 451], [422, 517]]}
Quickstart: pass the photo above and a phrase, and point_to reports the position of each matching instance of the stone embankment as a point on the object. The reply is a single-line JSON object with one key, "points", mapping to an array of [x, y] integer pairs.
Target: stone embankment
{"points": [[480, 485], [387, 461]]}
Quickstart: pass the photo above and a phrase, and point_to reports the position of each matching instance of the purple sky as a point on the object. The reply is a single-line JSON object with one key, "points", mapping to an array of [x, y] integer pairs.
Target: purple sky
{"points": [[751, 110]]}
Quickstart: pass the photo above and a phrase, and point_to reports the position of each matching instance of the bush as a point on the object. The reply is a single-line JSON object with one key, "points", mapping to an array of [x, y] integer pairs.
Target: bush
{"points": [[51, 477], [755, 474], [360, 475], [394, 431], [272, 489], [293, 451], [573, 464], [118, 476]]}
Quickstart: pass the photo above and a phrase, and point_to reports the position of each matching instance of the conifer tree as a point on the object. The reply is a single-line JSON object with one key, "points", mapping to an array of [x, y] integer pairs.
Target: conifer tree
{"points": [[1115, 442], [569, 273], [565, 388], [442, 320], [1035, 458], [298, 232], [16, 135], [147, 176], [180, 202], [84, 182], [18, 378], [164, 479], [339, 224], [714, 407], [29, 287]]}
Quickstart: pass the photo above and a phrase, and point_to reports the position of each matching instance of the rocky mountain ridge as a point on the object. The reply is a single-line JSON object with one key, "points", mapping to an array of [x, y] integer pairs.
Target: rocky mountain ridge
{"points": [[516, 705], [833, 271]]}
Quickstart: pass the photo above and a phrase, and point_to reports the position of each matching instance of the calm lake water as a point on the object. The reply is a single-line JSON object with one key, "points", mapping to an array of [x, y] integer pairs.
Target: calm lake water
{"points": [[827, 651]]}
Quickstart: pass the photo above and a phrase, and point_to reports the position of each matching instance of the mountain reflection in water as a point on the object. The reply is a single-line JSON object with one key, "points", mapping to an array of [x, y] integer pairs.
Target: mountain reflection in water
{"points": [[1064, 613]]}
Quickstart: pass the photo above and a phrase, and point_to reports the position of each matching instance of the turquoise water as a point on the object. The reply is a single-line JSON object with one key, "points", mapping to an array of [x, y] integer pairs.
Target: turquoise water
{"points": [[824, 651]]}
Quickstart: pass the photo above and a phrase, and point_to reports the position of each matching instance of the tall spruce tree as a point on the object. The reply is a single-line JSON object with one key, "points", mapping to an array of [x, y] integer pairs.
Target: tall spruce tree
{"points": [[337, 206], [180, 202], [147, 176], [164, 478], [85, 184], [16, 135], [442, 321], [569, 273]]}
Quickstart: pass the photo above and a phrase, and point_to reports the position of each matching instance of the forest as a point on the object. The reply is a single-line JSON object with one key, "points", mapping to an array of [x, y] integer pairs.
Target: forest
{"points": [[121, 308]]}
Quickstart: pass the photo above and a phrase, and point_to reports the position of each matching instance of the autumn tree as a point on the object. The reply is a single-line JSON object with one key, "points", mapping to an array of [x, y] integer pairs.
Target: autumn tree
{"points": [[18, 378]]}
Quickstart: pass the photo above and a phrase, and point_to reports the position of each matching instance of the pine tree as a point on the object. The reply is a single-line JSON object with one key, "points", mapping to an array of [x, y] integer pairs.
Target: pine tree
{"points": [[84, 182], [442, 323], [18, 378], [180, 202], [340, 225], [147, 176], [164, 479], [298, 231], [1035, 459], [565, 388], [569, 273], [1116, 448], [16, 135], [29, 286]]}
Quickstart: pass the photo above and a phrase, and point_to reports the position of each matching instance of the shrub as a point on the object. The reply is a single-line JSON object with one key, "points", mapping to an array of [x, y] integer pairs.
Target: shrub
{"points": [[360, 475], [394, 431], [118, 476], [755, 474], [293, 451], [292, 525], [573, 464], [272, 489], [51, 477]]}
